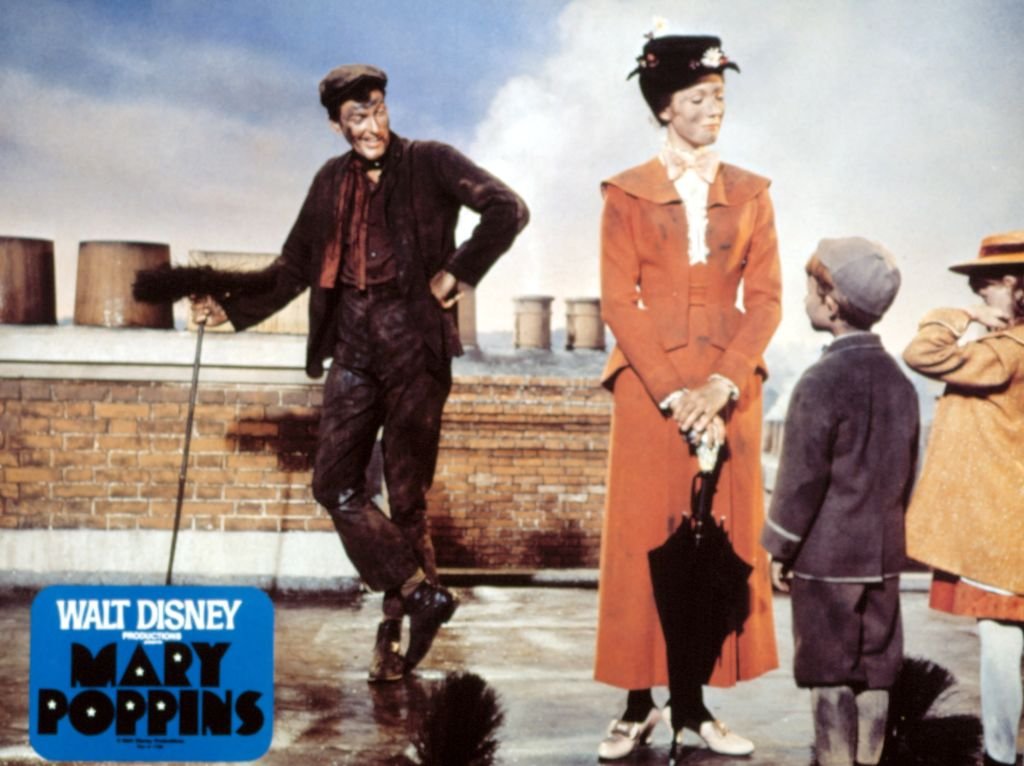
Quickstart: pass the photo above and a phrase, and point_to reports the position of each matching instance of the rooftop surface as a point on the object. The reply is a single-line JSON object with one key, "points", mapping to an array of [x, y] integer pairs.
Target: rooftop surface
{"points": [[533, 643]]}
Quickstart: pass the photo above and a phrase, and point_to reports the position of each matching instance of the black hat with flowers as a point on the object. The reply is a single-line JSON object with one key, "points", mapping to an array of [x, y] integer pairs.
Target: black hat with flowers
{"points": [[675, 62]]}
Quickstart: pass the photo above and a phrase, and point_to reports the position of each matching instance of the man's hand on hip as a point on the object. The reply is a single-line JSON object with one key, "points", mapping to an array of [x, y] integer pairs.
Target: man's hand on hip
{"points": [[443, 285]]}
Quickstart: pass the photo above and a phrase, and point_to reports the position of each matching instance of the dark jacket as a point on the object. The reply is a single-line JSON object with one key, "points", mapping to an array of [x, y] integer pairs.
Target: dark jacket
{"points": [[426, 184], [847, 466]]}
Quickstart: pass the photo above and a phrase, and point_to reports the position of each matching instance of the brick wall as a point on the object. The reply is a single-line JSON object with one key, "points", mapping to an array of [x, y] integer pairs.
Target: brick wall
{"points": [[519, 481], [521, 474]]}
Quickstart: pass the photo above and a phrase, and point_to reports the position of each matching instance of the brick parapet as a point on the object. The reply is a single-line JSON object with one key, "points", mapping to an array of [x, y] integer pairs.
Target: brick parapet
{"points": [[520, 479]]}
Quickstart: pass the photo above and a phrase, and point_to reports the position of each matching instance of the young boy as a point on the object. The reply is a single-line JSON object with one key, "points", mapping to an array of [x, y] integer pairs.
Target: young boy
{"points": [[835, 526]]}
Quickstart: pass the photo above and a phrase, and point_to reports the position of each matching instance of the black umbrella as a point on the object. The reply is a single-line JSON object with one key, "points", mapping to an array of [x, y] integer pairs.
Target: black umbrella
{"points": [[700, 588]]}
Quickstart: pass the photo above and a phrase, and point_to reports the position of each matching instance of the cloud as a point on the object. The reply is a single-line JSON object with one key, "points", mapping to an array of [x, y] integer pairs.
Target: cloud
{"points": [[167, 149], [893, 121], [553, 135], [198, 125]]}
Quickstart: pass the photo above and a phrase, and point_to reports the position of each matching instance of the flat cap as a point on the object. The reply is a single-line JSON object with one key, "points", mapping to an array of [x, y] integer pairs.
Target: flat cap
{"points": [[341, 81], [863, 271]]}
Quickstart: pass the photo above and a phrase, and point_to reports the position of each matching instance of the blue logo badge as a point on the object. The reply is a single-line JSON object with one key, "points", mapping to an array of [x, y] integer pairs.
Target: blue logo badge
{"points": [[148, 673]]}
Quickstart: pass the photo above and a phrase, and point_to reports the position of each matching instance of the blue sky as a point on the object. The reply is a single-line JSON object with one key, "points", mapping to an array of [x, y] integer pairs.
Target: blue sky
{"points": [[197, 123], [445, 58]]}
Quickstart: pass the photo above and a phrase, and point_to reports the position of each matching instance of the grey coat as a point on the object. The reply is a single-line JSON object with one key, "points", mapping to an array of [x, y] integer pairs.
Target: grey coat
{"points": [[847, 466]]}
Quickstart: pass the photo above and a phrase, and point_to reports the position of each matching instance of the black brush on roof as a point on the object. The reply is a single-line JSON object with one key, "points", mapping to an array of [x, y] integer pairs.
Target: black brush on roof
{"points": [[918, 735], [459, 727], [168, 284]]}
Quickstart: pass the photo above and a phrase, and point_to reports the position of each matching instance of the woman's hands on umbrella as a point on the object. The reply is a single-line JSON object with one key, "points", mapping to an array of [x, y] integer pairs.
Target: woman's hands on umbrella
{"points": [[696, 408], [714, 434], [205, 310], [780, 576]]}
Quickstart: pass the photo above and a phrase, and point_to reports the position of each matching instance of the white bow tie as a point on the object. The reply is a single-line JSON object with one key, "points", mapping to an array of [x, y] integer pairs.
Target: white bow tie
{"points": [[703, 162]]}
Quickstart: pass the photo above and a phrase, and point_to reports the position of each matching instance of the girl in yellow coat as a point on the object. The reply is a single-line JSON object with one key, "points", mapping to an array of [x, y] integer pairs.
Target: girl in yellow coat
{"points": [[966, 518]]}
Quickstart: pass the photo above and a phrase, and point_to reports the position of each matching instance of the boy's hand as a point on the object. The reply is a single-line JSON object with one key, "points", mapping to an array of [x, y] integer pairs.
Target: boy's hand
{"points": [[780, 576]]}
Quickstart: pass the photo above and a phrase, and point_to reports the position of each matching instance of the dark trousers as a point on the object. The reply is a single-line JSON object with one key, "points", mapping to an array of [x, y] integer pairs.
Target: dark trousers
{"points": [[382, 376], [848, 634]]}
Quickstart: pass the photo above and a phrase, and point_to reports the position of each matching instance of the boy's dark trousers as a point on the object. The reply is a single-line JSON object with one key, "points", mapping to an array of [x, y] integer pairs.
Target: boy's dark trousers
{"points": [[382, 376]]}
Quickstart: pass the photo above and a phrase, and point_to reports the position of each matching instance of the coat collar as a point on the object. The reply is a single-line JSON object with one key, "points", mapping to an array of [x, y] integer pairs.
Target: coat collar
{"points": [[858, 339], [732, 185], [396, 149], [1014, 333]]}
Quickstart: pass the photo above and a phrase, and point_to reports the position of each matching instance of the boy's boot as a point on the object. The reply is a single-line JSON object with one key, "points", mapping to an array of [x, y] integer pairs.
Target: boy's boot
{"points": [[834, 709]]}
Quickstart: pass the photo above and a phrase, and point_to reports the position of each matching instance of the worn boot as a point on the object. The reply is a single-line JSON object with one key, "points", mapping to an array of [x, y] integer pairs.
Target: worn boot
{"points": [[387, 663], [429, 607]]}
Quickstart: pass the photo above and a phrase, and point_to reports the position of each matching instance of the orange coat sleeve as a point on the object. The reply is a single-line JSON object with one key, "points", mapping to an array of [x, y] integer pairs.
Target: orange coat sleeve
{"points": [[621, 308], [762, 298]]}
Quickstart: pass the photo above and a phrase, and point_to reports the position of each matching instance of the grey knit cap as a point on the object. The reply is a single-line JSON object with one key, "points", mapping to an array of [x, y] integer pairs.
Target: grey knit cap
{"points": [[863, 271]]}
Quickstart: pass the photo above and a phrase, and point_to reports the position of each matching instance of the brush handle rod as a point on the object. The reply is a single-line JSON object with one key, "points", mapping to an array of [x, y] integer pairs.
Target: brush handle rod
{"points": [[188, 441]]}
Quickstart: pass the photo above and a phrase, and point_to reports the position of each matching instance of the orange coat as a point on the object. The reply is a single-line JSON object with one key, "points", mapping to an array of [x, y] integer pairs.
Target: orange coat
{"points": [[967, 512], [675, 324]]}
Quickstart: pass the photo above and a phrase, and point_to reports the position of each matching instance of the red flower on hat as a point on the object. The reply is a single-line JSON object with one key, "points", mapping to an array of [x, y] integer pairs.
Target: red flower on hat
{"points": [[645, 61]]}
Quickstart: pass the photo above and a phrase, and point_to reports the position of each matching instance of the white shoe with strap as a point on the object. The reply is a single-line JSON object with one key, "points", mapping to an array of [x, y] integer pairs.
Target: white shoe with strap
{"points": [[720, 739], [624, 736]]}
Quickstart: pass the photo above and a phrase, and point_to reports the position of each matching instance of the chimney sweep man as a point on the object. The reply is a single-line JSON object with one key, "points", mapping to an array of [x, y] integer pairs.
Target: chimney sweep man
{"points": [[375, 244]]}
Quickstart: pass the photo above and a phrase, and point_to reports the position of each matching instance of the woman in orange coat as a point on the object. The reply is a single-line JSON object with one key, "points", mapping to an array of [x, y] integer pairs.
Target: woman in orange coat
{"points": [[680, 234]]}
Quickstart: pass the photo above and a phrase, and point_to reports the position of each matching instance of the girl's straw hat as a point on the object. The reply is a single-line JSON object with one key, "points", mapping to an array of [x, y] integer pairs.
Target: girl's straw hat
{"points": [[997, 250]]}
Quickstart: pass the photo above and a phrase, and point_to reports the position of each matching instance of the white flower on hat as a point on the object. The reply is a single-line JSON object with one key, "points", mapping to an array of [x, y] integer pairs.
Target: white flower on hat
{"points": [[659, 26], [713, 58]]}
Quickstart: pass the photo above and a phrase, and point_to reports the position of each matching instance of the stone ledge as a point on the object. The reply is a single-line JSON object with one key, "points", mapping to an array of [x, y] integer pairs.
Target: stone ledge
{"points": [[101, 353], [49, 556]]}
